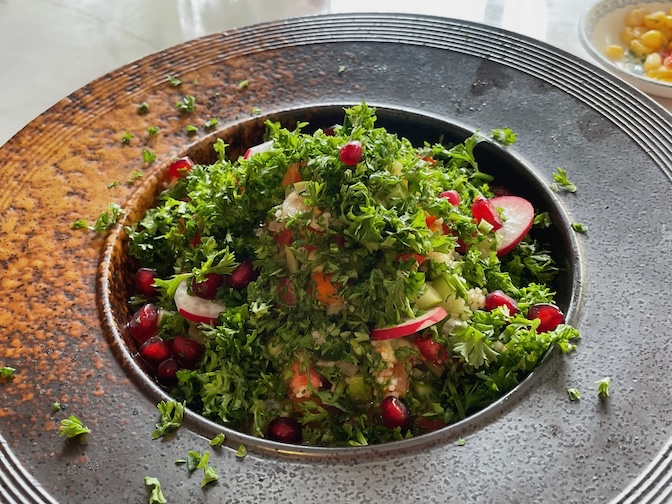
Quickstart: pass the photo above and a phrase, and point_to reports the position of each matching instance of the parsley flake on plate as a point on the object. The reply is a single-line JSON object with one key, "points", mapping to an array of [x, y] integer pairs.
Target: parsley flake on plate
{"points": [[579, 228], [126, 138], [504, 136], [603, 386], [154, 487], [573, 394], [562, 182], [142, 108], [218, 439], [187, 104], [173, 81], [148, 156], [7, 372], [171, 413], [72, 427]]}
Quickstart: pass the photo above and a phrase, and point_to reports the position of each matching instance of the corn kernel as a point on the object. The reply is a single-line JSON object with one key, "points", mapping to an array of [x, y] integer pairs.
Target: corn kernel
{"points": [[654, 20], [668, 21], [627, 35], [638, 48], [652, 39], [652, 62], [638, 31], [614, 51], [635, 17]]}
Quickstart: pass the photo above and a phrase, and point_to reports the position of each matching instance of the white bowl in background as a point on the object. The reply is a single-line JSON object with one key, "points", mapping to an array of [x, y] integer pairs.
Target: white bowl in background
{"points": [[600, 26]]}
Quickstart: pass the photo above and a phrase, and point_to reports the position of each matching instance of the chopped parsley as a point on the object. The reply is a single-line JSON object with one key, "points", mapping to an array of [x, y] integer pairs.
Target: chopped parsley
{"points": [[241, 452], [341, 69], [504, 136], [56, 406], [573, 394], [105, 220], [148, 156], [112, 184], [152, 130], [603, 386], [197, 461], [142, 108], [173, 81], [72, 427], [126, 138], [218, 439], [211, 123], [461, 442], [255, 111], [187, 104], [135, 176], [243, 84], [579, 228], [171, 413], [190, 129], [154, 487], [560, 181], [7, 372]]}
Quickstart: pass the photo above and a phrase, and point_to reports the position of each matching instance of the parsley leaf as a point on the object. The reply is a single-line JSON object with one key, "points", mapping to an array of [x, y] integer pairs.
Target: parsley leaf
{"points": [[579, 228], [126, 138], [211, 123], [7, 372], [255, 111], [112, 184], [156, 494], [461, 442], [209, 475], [56, 406], [218, 439], [603, 386], [142, 108], [504, 136], [148, 156], [193, 459], [72, 427], [107, 218], [171, 418], [152, 130], [241, 452], [574, 394], [341, 69], [135, 175], [190, 129], [562, 182], [243, 84], [173, 81], [187, 104]]}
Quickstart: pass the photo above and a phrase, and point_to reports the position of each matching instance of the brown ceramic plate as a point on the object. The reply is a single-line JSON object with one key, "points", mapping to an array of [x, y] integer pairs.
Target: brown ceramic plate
{"points": [[57, 311]]}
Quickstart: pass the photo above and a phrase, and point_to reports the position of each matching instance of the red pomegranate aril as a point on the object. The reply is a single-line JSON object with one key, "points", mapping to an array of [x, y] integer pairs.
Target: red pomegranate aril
{"points": [[242, 275], [181, 167], [498, 298], [155, 350], [550, 316], [483, 209], [186, 351], [144, 324], [351, 153], [207, 288], [431, 350], [452, 196], [284, 430], [144, 282], [394, 413], [166, 373]]}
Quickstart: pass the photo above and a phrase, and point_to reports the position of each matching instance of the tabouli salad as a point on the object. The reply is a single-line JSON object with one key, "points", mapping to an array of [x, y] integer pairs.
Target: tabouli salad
{"points": [[341, 288]]}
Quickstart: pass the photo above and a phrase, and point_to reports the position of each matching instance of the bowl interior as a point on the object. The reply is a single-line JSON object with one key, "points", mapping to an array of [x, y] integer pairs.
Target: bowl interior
{"points": [[117, 269]]}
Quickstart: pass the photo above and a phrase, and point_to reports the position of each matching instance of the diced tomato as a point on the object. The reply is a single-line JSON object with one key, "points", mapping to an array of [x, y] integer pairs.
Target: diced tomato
{"points": [[283, 238], [419, 258], [292, 175], [299, 385], [429, 424], [431, 350]]}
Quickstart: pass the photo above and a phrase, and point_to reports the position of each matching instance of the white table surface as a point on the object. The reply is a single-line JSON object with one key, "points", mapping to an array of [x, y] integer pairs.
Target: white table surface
{"points": [[50, 48]]}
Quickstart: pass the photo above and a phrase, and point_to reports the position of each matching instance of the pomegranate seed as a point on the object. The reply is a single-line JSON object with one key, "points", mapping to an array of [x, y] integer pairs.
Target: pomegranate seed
{"points": [[166, 373], [483, 209], [186, 351], [498, 298], [431, 351], [351, 153], [394, 413], [180, 168], [452, 196], [284, 430], [144, 324], [550, 315], [207, 289], [155, 350], [144, 282], [242, 275]]}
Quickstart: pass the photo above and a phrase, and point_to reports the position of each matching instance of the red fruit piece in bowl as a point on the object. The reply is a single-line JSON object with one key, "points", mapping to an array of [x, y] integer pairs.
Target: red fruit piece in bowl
{"points": [[186, 352], [242, 275], [155, 350], [550, 316], [144, 282], [431, 350], [452, 196], [498, 298], [483, 210], [207, 288], [395, 413], [351, 153], [284, 430], [166, 372], [181, 167], [144, 324]]}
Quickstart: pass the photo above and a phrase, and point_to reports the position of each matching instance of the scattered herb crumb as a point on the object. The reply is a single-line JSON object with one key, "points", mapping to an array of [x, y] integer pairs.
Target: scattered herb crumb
{"points": [[197, 461], [461, 442], [142, 108], [112, 184], [603, 386], [72, 427], [104, 221], [243, 84], [56, 406], [7, 372], [504, 136], [190, 129], [218, 439], [241, 452], [579, 228], [543, 220], [154, 486], [152, 130], [173, 81], [171, 417], [126, 138], [148, 156], [187, 104], [209, 475], [341, 69], [211, 123], [256, 111], [180, 461], [562, 182], [135, 175], [79, 224], [573, 394]]}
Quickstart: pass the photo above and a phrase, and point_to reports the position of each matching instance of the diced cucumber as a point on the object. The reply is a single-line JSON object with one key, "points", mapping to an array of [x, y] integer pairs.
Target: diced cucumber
{"points": [[359, 390], [442, 287], [429, 299]]}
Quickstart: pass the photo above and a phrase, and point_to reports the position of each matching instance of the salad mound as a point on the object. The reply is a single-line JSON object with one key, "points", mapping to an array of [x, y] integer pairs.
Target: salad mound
{"points": [[341, 288]]}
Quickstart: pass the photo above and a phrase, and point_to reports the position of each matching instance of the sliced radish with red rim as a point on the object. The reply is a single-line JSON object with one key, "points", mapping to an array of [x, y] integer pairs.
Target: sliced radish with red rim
{"points": [[518, 218], [195, 308], [429, 318]]}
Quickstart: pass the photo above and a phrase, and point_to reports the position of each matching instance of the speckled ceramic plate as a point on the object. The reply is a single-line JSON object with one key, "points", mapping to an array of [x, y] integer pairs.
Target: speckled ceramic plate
{"points": [[535, 446]]}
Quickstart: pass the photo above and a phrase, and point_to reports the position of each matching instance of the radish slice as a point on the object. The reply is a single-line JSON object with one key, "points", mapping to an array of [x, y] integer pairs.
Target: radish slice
{"points": [[431, 317], [195, 308], [518, 217], [257, 149]]}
